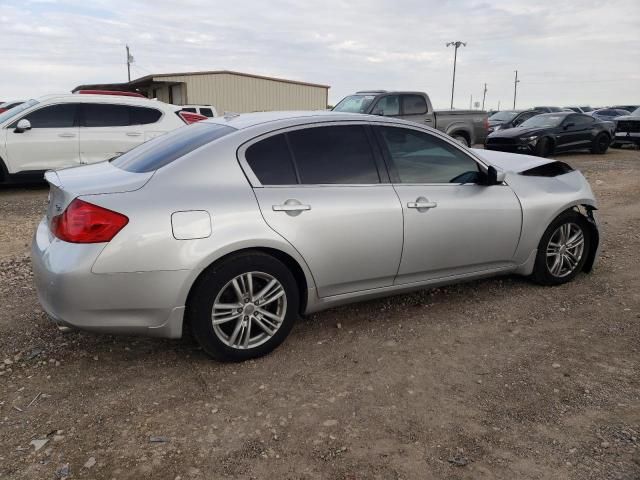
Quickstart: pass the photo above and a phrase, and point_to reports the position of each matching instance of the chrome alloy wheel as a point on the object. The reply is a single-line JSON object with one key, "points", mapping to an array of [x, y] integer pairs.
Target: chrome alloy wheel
{"points": [[249, 310], [565, 250]]}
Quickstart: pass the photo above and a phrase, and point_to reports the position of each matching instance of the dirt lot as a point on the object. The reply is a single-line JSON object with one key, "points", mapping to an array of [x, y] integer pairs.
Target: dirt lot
{"points": [[492, 379]]}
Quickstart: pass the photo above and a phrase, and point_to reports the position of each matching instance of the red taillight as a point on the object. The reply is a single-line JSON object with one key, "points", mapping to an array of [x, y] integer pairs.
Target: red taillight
{"points": [[3, 110], [84, 222], [190, 117]]}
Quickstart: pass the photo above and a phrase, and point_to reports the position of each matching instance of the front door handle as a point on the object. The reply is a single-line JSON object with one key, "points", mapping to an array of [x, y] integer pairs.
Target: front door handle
{"points": [[134, 134], [67, 135], [422, 203]]}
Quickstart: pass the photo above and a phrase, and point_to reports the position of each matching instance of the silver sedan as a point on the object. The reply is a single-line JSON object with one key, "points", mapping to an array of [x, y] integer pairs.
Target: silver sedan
{"points": [[235, 226]]}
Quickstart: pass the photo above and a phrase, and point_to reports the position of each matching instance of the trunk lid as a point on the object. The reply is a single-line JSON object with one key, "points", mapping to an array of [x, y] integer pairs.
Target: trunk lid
{"points": [[100, 178]]}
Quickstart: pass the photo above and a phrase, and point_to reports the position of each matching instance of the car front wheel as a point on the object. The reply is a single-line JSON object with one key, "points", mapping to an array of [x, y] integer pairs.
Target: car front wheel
{"points": [[563, 249], [243, 307], [601, 143]]}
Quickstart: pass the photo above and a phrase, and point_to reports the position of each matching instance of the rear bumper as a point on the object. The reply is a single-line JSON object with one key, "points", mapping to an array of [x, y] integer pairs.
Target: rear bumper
{"points": [[120, 303]]}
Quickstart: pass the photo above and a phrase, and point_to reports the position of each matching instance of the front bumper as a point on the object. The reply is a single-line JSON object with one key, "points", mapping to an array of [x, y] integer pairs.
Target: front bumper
{"points": [[627, 138], [117, 303], [524, 148]]}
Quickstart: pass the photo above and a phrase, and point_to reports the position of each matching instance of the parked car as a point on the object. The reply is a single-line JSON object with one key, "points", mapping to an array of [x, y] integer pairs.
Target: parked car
{"points": [[584, 109], [627, 130], [468, 127], [517, 120], [208, 111], [550, 133], [548, 109], [609, 114], [628, 108], [65, 130], [232, 227], [8, 105], [500, 118]]}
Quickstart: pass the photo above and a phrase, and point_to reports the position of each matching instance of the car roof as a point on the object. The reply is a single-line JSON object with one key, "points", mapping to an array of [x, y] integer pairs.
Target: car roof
{"points": [[88, 98], [246, 120]]}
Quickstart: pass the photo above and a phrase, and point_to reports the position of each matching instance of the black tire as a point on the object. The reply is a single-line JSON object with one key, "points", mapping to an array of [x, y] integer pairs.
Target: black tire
{"points": [[544, 147], [542, 272], [601, 143], [461, 139], [209, 287]]}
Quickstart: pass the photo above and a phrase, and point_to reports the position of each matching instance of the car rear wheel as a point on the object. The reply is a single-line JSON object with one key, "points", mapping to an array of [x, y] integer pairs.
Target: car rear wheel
{"points": [[544, 148], [563, 249], [600, 143], [243, 307], [461, 139]]}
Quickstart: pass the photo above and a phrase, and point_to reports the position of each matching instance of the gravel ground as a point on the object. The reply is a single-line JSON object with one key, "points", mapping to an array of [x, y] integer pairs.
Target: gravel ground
{"points": [[493, 379]]}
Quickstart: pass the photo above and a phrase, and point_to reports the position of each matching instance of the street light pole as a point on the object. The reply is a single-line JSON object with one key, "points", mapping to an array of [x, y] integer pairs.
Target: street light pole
{"points": [[456, 46], [484, 95], [515, 90]]}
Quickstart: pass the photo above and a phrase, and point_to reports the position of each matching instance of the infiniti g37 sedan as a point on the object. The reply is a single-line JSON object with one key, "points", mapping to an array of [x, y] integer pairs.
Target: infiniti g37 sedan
{"points": [[235, 226]]}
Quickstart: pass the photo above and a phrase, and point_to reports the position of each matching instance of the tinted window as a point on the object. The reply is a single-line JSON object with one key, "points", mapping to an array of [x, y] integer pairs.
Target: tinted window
{"points": [[54, 116], [163, 150], [423, 158], [389, 105], [143, 116], [4, 116], [105, 115], [271, 162], [581, 120], [189, 109], [413, 105], [340, 154], [207, 112]]}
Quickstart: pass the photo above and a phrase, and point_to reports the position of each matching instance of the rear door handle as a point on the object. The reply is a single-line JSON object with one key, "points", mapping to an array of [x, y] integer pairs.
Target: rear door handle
{"points": [[427, 120], [291, 207], [134, 134], [67, 135]]}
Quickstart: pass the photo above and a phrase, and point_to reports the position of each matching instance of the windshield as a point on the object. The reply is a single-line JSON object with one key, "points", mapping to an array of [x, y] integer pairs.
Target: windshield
{"points": [[503, 116], [548, 120], [12, 112], [354, 104]]}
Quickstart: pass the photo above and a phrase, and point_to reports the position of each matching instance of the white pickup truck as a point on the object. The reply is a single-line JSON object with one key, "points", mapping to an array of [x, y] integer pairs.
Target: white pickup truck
{"points": [[468, 127]]}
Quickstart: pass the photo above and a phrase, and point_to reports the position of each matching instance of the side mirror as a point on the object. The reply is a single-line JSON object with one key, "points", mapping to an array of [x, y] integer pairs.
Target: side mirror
{"points": [[22, 126], [568, 125], [494, 177]]}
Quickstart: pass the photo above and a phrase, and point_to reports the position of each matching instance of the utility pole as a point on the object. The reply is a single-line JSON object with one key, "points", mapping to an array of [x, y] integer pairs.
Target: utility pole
{"points": [[498, 105], [471, 102], [129, 62], [515, 90], [484, 95], [456, 46]]}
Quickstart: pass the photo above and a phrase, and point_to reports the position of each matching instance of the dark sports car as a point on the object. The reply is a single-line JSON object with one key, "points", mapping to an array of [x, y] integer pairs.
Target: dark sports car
{"points": [[547, 133]]}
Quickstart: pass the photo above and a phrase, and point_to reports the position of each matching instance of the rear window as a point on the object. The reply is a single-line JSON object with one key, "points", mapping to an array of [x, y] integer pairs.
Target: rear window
{"points": [[207, 112], [163, 150]]}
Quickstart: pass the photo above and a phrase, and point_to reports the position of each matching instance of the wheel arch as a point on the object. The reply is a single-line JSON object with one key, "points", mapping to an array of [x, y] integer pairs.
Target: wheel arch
{"points": [[456, 131], [300, 274]]}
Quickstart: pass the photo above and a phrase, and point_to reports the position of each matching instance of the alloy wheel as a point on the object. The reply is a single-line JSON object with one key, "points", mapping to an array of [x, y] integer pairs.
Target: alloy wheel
{"points": [[565, 250], [249, 310]]}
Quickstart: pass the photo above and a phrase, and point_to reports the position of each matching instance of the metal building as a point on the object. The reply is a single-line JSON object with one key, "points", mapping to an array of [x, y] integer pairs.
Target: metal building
{"points": [[227, 91]]}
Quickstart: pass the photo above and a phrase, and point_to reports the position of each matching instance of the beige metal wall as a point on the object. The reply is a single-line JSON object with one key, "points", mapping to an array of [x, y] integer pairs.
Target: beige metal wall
{"points": [[236, 93]]}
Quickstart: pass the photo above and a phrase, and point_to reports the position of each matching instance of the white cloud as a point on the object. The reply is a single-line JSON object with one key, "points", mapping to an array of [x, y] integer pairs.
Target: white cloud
{"points": [[575, 51]]}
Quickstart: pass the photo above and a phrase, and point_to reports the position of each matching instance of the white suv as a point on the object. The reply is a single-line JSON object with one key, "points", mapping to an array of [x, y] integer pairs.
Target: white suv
{"points": [[65, 130]]}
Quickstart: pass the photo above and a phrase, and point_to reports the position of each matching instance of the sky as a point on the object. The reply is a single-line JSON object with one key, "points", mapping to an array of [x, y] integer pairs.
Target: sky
{"points": [[567, 52]]}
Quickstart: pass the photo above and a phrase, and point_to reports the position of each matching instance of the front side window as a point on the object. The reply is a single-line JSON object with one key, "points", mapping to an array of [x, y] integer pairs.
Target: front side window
{"points": [[105, 115], [53, 116], [334, 155], [581, 120], [419, 157], [271, 161], [387, 106], [413, 105]]}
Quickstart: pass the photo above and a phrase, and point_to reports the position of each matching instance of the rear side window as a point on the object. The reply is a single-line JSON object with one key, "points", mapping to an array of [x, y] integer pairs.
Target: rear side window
{"points": [[413, 105], [333, 155], [54, 116], [207, 112], [161, 151], [143, 115], [105, 115], [271, 162]]}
